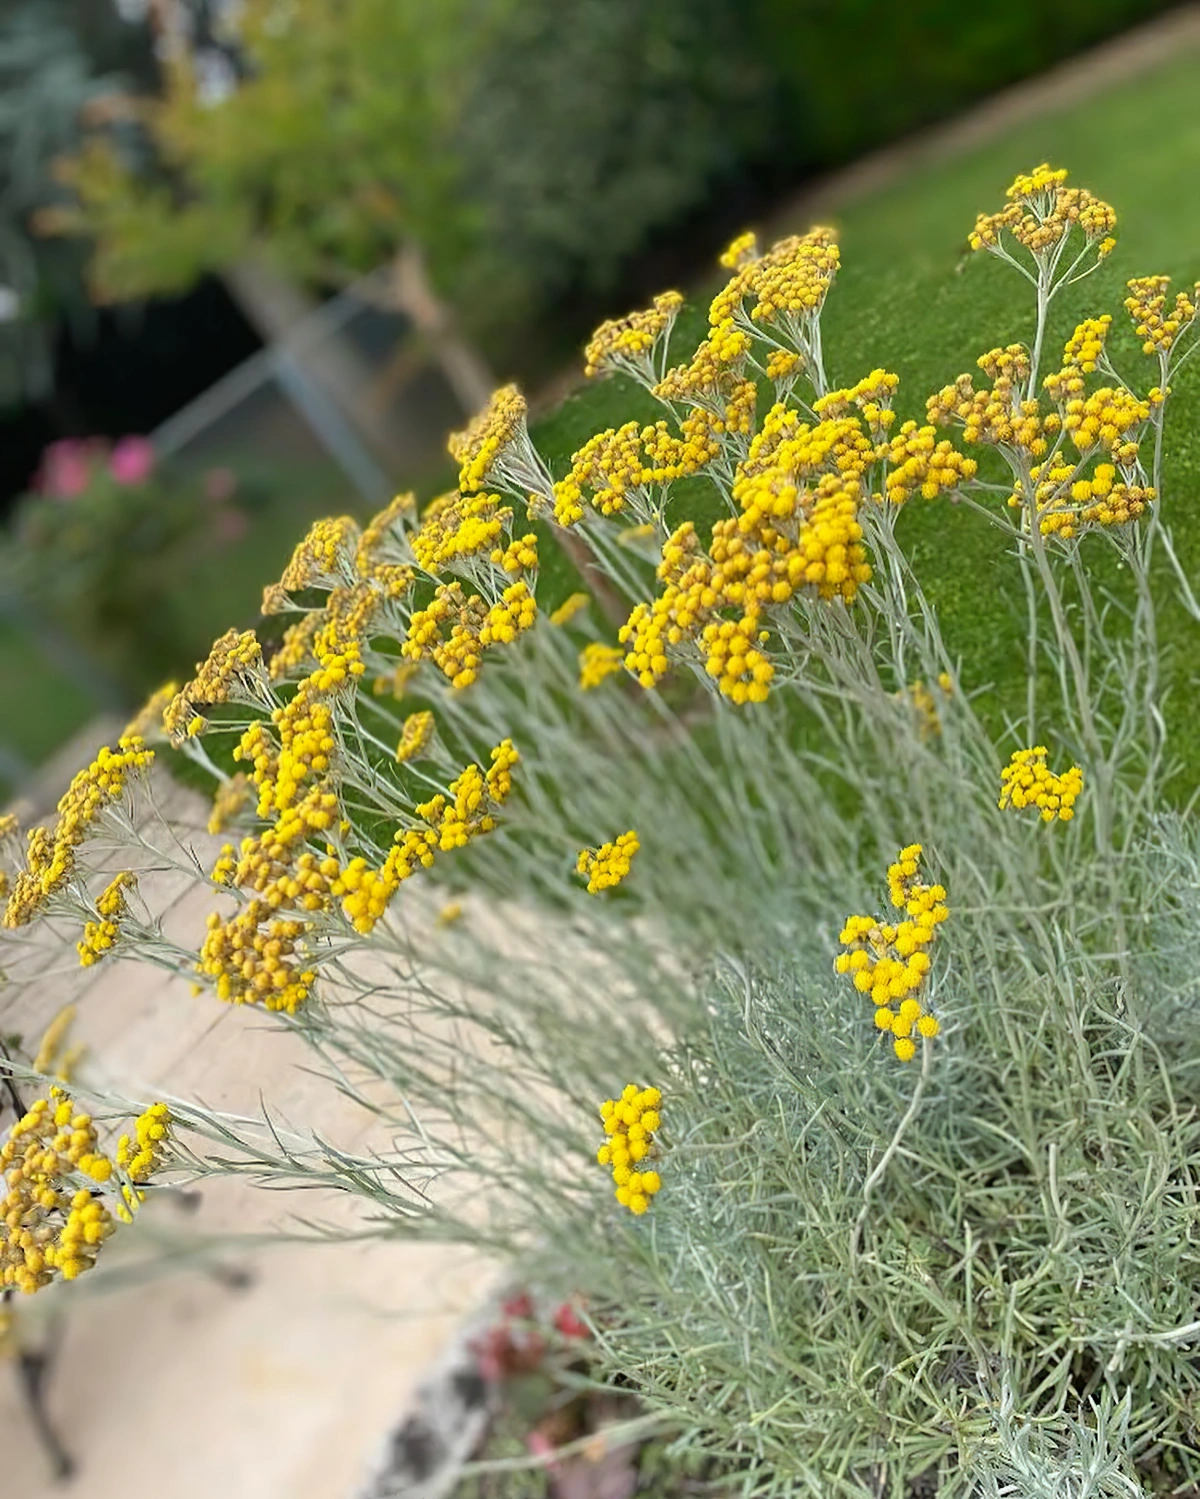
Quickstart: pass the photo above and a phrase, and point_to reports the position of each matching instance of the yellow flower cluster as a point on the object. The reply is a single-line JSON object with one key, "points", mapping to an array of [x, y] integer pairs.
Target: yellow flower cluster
{"points": [[783, 365], [1027, 781], [740, 252], [415, 736], [515, 612], [628, 343], [618, 467], [607, 865], [873, 396], [49, 1222], [925, 706], [233, 670], [1066, 503], [473, 627], [255, 958], [572, 605], [324, 558], [630, 1123], [597, 662], [890, 962], [102, 935], [1111, 419], [793, 277], [231, 798], [920, 463], [460, 526], [477, 448], [50, 858], [1041, 211], [141, 1156], [1146, 304], [470, 808], [1001, 416]]}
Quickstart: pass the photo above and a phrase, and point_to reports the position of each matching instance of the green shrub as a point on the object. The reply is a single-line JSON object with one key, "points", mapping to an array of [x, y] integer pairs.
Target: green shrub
{"points": [[691, 1092]]}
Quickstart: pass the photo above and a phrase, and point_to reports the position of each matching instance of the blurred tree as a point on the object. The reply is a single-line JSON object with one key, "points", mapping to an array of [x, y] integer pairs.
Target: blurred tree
{"points": [[596, 125], [327, 154], [522, 145], [53, 70]]}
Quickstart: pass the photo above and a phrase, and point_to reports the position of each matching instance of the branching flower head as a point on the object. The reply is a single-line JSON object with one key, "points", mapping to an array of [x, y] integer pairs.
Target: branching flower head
{"points": [[1159, 326], [1027, 781], [608, 865], [52, 1226], [103, 934], [890, 962], [494, 450], [630, 1123], [633, 344], [597, 663], [1040, 213]]}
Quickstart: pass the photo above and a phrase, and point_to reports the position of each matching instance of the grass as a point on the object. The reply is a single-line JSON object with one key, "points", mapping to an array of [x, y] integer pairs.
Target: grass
{"points": [[907, 299], [47, 707]]}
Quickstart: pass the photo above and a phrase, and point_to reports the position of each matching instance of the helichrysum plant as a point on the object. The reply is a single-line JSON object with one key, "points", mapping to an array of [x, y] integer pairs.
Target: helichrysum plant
{"points": [[925, 1217]]}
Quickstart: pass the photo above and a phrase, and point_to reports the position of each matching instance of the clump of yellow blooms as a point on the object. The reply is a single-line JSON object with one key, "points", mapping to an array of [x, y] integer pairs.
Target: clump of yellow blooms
{"points": [[324, 557], [233, 670], [51, 1224], [257, 958], [921, 463], [141, 1156], [1027, 781], [607, 865], [462, 526], [102, 935], [473, 626], [1110, 419], [230, 800], [415, 736], [925, 705], [1157, 327], [789, 282], [572, 605], [890, 962], [480, 444], [1041, 211], [50, 858], [1002, 416], [740, 251], [629, 342], [598, 662], [618, 466], [630, 1123]]}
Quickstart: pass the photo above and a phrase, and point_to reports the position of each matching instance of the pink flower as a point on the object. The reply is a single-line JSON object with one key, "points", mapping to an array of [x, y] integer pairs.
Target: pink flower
{"points": [[132, 460], [65, 469], [520, 1306], [568, 1323], [540, 1445]]}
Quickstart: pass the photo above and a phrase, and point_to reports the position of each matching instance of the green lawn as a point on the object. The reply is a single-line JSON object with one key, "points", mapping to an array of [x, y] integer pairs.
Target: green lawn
{"points": [[907, 299], [43, 706]]}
